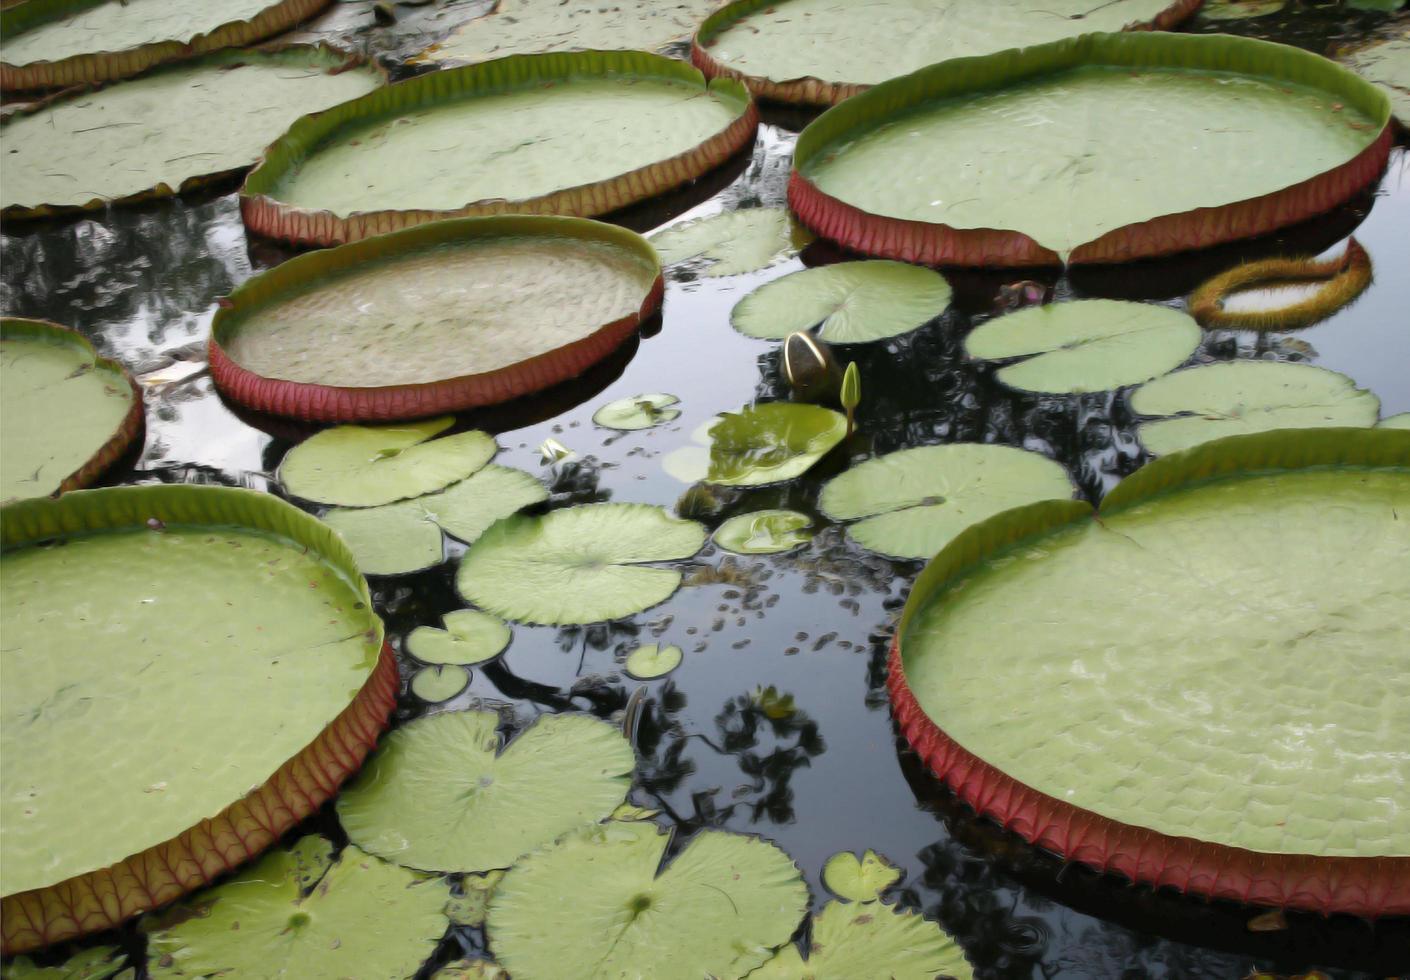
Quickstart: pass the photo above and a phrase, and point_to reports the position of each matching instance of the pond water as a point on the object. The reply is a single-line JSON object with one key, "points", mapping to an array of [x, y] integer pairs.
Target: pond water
{"points": [[813, 624]]}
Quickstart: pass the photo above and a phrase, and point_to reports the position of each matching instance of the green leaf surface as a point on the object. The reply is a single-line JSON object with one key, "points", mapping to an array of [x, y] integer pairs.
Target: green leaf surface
{"points": [[439, 683], [856, 880], [652, 660], [638, 412], [439, 795], [364, 918], [771, 442], [121, 24], [578, 565], [1386, 64], [96, 963], [1241, 397], [1401, 421], [470, 637], [1085, 345], [855, 302], [1239, 9], [764, 532], [733, 242], [363, 466], [717, 909], [911, 503], [870, 941]]}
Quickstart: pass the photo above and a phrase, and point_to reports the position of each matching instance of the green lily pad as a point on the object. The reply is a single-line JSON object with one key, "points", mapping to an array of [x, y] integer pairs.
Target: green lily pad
{"points": [[854, 302], [653, 660], [1401, 421], [439, 683], [439, 795], [364, 917], [1386, 64], [852, 942], [362, 466], [1239, 9], [403, 537], [859, 880], [1241, 397], [579, 565], [470, 637], [911, 503], [66, 413], [1086, 345], [97, 963], [637, 412], [733, 242], [471, 905], [717, 909], [764, 532], [771, 442]]}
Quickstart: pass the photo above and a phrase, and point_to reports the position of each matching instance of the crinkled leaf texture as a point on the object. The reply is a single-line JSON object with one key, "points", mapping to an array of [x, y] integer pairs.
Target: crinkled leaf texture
{"points": [[772, 442], [764, 532]]}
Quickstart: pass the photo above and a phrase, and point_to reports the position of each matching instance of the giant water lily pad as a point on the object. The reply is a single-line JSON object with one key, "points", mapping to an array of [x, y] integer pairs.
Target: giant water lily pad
{"points": [[1146, 682], [579, 565], [1131, 145], [911, 503], [871, 941], [733, 242], [169, 131], [440, 795], [1386, 64], [470, 637], [716, 909], [299, 913], [1240, 397], [771, 442], [1087, 345], [66, 413], [576, 134], [432, 319], [226, 615], [822, 51], [764, 532], [849, 303]]}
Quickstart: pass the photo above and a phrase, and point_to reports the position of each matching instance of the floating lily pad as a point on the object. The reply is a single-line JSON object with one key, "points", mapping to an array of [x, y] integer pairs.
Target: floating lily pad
{"points": [[1386, 64], [170, 131], [67, 414], [439, 683], [911, 503], [1239, 9], [717, 909], [764, 532], [859, 880], [439, 795], [96, 963], [358, 916], [852, 942], [579, 565], [853, 302], [1086, 345], [1123, 152], [1173, 647], [1240, 397], [1401, 421], [573, 133], [771, 442], [234, 618], [363, 466], [653, 660], [470, 637], [637, 412], [437, 318], [733, 242]]}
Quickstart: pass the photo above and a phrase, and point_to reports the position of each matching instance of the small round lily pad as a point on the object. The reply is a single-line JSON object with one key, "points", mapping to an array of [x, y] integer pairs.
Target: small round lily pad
{"points": [[764, 532], [870, 940], [637, 412], [770, 443], [1401, 421], [734, 242], [854, 302], [652, 660], [859, 880], [470, 637], [439, 683]]}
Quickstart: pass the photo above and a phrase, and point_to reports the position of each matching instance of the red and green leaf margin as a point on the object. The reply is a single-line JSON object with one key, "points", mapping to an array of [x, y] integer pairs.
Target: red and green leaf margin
{"points": [[1363, 886], [106, 897], [816, 91], [133, 424], [264, 214], [931, 243], [107, 66], [331, 403]]}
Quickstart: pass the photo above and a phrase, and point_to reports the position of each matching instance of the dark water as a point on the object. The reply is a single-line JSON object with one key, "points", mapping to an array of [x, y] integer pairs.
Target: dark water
{"points": [[812, 624]]}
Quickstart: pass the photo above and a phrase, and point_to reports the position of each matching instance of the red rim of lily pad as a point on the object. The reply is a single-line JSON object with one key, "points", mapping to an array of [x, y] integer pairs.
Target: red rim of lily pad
{"points": [[816, 91], [104, 898], [331, 403], [266, 215], [1363, 886], [932, 243], [106, 66]]}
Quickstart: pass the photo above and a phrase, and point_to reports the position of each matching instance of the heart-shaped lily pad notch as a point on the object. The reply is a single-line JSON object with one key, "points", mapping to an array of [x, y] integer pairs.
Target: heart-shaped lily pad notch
{"points": [[911, 503], [95, 963], [770, 443], [578, 565], [470, 637], [1085, 345], [363, 466], [734, 242], [859, 880], [855, 302], [439, 683], [870, 940], [1241, 397], [440, 796], [652, 660], [638, 412], [717, 909], [764, 532], [404, 537], [299, 913]]}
